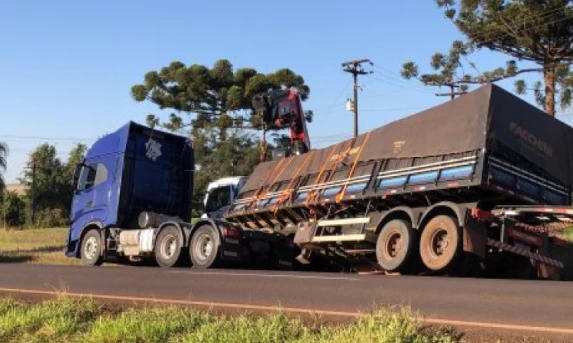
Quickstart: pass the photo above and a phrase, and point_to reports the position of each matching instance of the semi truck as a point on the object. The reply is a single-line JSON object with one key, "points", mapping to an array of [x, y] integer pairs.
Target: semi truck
{"points": [[479, 183]]}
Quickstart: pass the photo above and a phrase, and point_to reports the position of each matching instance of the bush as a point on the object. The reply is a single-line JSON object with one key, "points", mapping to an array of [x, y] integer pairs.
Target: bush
{"points": [[13, 210], [51, 217]]}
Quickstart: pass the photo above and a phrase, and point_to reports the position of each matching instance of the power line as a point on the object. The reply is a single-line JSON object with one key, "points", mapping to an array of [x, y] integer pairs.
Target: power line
{"points": [[47, 138]]}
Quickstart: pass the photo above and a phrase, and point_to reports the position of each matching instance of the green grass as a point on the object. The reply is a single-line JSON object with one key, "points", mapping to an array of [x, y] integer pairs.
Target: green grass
{"points": [[567, 234], [67, 320], [39, 246]]}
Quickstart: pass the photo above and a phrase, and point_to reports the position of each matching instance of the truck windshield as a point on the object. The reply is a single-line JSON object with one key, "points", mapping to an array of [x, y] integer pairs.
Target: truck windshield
{"points": [[217, 198]]}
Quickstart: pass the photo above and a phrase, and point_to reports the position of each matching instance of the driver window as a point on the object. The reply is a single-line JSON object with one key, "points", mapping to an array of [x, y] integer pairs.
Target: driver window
{"points": [[101, 174], [218, 198], [92, 176]]}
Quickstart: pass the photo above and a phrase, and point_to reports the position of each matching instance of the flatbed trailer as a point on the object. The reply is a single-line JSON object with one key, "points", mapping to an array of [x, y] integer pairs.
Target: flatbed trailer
{"points": [[420, 188]]}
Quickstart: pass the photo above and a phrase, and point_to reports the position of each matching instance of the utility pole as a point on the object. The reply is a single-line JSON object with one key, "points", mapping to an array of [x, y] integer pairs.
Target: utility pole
{"points": [[355, 68], [263, 156], [33, 194]]}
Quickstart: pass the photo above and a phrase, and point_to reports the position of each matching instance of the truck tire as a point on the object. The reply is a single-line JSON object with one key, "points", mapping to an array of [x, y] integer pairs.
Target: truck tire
{"points": [[204, 248], [441, 243], [91, 248], [168, 246], [395, 245]]}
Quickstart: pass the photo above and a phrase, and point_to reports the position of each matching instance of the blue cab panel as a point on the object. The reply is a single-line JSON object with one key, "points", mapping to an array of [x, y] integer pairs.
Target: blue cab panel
{"points": [[126, 172]]}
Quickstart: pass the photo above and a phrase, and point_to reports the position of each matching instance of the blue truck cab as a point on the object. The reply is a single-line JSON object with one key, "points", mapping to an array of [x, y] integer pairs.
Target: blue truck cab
{"points": [[132, 199]]}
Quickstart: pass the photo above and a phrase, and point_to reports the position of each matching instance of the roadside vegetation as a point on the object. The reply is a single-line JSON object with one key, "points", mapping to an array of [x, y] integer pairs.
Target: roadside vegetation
{"points": [[567, 235], [38, 246], [67, 320]]}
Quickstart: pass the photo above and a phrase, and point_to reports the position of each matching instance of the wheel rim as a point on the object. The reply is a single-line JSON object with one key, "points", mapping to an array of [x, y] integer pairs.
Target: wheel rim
{"points": [[393, 245], [169, 246], [439, 243], [91, 248], [204, 247]]}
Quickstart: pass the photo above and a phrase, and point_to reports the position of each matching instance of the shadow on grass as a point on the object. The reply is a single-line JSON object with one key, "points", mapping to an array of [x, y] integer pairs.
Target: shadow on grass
{"points": [[39, 250], [16, 259]]}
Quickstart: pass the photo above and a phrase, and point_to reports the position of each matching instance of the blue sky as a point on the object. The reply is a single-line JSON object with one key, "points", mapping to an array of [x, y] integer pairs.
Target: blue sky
{"points": [[66, 67]]}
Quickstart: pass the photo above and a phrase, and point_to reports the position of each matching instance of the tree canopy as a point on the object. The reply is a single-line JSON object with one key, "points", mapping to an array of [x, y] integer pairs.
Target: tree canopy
{"points": [[212, 98], [534, 33], [48, 179]]}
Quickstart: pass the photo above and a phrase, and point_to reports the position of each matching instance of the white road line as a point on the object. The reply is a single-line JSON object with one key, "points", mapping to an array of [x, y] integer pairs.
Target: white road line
{"points": [[554, 330], [288, 276]]}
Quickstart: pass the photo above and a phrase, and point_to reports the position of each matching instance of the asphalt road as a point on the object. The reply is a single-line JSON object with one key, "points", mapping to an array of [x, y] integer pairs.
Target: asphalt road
{"points": [[540, 306]]}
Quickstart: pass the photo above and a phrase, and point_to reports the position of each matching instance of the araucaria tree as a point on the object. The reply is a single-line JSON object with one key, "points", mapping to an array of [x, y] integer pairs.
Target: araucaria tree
{"points": [[213, 106], [216, 98], [536, 31]]}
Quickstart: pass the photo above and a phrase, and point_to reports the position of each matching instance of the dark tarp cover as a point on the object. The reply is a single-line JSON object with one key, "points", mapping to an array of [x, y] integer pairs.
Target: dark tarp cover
{"points": [[481, 119]]}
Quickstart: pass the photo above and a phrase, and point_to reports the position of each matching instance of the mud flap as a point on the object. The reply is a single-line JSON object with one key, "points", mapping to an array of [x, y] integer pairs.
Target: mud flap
{"points": [[231, 249], [475, 236]]}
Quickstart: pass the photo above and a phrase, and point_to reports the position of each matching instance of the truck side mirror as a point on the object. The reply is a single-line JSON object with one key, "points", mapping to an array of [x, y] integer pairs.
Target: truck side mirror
{"points": [[76, 176]]}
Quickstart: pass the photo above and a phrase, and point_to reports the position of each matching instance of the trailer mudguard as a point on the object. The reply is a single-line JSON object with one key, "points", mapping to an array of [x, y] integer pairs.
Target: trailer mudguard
{"points": [[412, 213]]}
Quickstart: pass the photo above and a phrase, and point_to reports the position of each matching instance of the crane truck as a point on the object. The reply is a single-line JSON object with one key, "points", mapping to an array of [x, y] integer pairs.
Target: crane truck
{"points": [[477, 184]]}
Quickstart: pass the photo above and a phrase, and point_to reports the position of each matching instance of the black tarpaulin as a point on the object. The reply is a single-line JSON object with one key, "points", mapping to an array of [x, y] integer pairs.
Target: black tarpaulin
{"points": [[486, 118]]}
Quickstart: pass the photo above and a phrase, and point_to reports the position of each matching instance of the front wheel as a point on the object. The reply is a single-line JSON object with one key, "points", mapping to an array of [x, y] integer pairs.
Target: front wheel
{"points": [[204, 248], [91, 248]]}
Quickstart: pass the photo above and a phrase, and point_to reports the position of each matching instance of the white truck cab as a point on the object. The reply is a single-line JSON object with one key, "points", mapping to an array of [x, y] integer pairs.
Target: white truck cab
{"points": [[220, 195]]}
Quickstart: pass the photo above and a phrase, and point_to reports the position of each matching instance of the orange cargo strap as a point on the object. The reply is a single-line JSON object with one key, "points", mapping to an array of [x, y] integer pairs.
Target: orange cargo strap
{"points": [[313, 194], [340, 195], [275, 179], [319, 176], [287, 192], [254, 198]]}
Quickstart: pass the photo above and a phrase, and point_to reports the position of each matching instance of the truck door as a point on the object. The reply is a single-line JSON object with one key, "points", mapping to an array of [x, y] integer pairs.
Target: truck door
{"points": [[92, 194]]}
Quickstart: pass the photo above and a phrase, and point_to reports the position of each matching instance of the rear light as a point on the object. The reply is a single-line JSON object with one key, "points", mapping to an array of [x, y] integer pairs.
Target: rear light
{"points": [[231, 232], [483, 215]]}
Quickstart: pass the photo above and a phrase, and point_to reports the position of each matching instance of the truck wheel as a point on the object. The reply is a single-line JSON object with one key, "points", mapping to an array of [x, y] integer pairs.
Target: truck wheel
{"points": [[204, 248], [395, 245], [441, 243], [168, 247], [91, 249]]}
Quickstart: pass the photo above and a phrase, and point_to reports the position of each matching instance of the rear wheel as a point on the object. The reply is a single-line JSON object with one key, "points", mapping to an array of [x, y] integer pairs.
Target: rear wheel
{"points": [[441, 243], [395, 245], [91, 248], [204, 248], [168, 247]]}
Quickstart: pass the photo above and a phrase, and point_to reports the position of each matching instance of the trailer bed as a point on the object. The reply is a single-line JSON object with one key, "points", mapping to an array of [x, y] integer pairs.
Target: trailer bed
{"points": [[487, 146]]}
